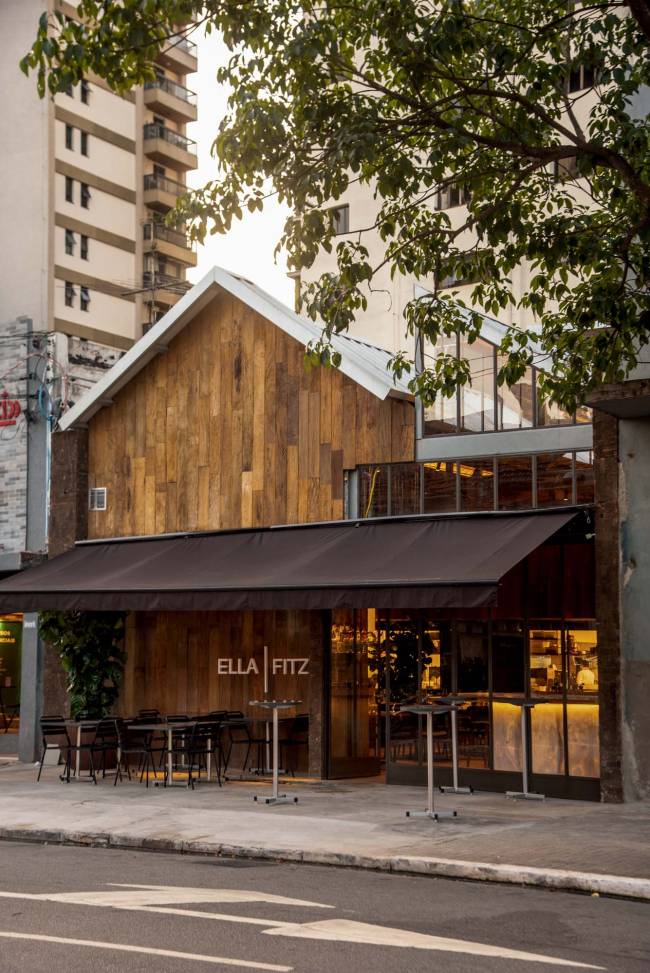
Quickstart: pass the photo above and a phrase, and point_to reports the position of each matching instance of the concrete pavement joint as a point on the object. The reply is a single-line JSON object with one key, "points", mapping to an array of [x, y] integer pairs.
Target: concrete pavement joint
{"points": [[546, 878]]}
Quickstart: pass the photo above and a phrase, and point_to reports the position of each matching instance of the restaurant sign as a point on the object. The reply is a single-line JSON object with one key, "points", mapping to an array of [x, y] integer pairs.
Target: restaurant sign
{"points": [[282, 666], [9, 409]]}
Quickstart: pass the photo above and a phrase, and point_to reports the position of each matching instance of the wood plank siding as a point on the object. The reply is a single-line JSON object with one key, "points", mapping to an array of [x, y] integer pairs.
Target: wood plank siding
{"points": [[228, 429]]}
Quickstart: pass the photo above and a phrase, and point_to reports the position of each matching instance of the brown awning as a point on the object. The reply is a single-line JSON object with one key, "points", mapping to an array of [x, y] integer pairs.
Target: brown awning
{"points": [[444, 562]]}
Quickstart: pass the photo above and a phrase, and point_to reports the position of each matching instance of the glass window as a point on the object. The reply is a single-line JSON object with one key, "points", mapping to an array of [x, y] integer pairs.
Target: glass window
{"points": [[551, 414], [373, 491], [84, 247], [584, 414], [441, 416], [547, 730], [439, 487], [69, 294], [84, 298], [69, 137], [85, 91], [516, 404], [554, 479], [515, 482], [472, 643], [405, 489], [436, 661], [585, 477], [69, 242], [476, 484], [545, 661], [84, 143], [85, 195], [477, 398], [508, 650], [582, 660], [340, 216], [583, 739], [69, 189]]}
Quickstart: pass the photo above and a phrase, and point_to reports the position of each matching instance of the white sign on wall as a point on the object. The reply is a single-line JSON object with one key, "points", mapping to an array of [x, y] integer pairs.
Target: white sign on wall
{"points": [[278, 666]]}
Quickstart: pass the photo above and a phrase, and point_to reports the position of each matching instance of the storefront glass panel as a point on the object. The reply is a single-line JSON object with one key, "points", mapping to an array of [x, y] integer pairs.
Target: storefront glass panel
{"points": [[582, 661], [11, 631], [546, 666], [547, 729], [404, 489], [515, 482], [477, 485], [554, 479], [440, 487], [585, 477], [506, 730], [354, 730], [441, 416], [373, 491], [582, 732], [508, 658]]}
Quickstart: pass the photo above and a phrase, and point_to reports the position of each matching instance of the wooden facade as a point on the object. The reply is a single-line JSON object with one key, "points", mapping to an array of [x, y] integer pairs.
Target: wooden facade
{"points": [[228, 429]]}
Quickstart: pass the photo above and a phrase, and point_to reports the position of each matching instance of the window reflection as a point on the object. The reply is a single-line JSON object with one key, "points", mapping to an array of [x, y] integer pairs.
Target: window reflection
{"points": [[585, 477], [508, 658], [515, 482], [472, 640], [554, 479], [551, 414], [516, 404], [405, 489], [373, 491], [441, 416], [477, 484], [477, 412], [439, 487]]}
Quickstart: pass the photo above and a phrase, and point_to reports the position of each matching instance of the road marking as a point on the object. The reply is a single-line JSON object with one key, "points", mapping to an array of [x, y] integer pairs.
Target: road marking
{"points": [[348, 931], [149, 951]]}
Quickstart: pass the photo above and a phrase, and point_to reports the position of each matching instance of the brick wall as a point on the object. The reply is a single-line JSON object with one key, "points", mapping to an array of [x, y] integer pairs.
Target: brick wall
{"points": [[13, 438]]}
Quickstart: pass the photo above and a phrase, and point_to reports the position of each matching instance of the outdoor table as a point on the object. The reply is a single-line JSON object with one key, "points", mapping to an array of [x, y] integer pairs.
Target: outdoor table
{"points": [[275, 705], [525, 704], [80, 726], [168, 729], [454, 703], [428, 710]]}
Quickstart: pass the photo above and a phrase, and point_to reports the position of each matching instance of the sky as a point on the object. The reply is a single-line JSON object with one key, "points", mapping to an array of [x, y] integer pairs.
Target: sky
{"points": [[248, 248]]}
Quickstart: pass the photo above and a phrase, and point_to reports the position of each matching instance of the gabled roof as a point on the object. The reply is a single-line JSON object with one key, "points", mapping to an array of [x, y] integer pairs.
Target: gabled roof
{"points": [[365, 364]]}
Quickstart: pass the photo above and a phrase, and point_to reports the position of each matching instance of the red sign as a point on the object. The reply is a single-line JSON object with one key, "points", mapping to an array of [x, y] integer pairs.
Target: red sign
{"points": [[9, 410]]}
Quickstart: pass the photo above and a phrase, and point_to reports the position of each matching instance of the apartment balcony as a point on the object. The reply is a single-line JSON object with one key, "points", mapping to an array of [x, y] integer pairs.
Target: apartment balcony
{"points": [[163, 290], [161, 193], [180, 56], [172, 100], [168, 147], [164, 240]]}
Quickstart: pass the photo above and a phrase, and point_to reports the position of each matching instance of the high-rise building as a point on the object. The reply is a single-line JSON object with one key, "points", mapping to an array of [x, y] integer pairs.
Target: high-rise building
{"points": [[89, 264]]}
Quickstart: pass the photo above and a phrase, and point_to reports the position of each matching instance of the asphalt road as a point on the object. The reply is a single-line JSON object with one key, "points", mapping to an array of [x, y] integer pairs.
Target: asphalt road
{"points": [[81, 909]]}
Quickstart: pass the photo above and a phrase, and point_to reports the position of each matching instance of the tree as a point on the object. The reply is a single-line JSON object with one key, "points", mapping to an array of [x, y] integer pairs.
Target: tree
{"points": [[410, 97]]}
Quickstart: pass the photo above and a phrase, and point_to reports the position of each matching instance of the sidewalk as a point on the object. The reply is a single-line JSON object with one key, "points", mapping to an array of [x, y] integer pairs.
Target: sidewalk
{"points": [[554, 844]]}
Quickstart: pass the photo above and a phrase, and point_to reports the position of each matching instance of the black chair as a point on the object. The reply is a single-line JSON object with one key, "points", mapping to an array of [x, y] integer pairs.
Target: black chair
{"points": [[239, 734], [8, 711], [297, 738], [133, 743], [84, 746], [150, 715], [106, 742], [55, 737]]}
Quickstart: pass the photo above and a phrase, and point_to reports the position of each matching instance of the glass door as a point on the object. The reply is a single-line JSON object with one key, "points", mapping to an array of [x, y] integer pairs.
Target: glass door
{"points": [[355, 705]]}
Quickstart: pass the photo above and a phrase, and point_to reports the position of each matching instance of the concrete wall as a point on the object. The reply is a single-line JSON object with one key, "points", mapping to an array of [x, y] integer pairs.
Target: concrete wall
{"points": [[13, 439], [634, 511]]}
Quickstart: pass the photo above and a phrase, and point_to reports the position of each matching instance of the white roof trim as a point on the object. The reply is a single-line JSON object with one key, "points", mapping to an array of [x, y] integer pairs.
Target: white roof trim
{"points": [[365, 364]]}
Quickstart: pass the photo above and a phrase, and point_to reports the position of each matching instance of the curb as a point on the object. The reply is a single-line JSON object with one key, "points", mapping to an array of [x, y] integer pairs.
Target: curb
{"points": [[546, 878]]}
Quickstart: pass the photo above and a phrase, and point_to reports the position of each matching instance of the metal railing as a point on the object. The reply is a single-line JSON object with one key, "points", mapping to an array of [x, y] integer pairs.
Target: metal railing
{"points": [[154, 181], [153, 281], [160, 231], [153, 130], [172, 88], [187, 45]]}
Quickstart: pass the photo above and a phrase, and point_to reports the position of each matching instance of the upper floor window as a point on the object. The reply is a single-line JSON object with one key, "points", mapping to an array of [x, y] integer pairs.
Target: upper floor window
{"points": [[84, 143], [483, 406], [83, 251], [69, 294], [581, 76], [69, 242], [84, 298], [340, 216], [85, 91], [466, 271], [452, 195], [69, 189], [85, 195], [69, 137]]}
